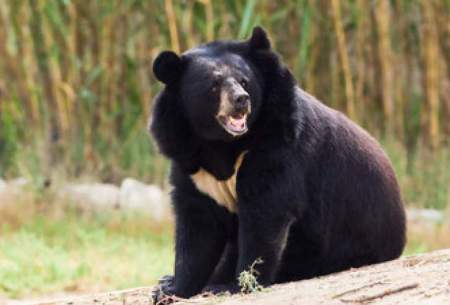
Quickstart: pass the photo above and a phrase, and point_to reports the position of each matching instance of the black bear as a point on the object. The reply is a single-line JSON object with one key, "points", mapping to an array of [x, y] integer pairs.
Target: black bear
{"points": [[261, 169]]}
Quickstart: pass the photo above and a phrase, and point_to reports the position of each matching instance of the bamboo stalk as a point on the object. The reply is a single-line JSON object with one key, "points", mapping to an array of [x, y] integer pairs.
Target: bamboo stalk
{"points": [[442, 11], [41, 57], [55, 78], [430, 53], [15, 71], [404, 70], [343, 56], [11, 53], [171, 18], [383, 24], [361, 62], [209, 19], [27, 64]]}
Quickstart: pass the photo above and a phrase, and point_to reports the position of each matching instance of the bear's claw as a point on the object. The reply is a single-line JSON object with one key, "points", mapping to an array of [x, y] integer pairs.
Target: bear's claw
{"points": [[163, 294]]}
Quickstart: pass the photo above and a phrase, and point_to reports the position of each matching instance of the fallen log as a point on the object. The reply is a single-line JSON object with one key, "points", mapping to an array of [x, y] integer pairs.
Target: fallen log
{"points": [[419, 279]]}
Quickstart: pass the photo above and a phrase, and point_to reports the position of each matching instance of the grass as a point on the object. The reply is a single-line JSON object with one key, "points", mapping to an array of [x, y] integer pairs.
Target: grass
{"points": [[424, 237], [424, 178], [72, 253]]}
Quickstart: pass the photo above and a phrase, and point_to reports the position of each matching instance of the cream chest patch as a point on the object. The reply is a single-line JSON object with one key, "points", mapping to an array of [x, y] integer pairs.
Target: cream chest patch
{"points": [[223, 192]]}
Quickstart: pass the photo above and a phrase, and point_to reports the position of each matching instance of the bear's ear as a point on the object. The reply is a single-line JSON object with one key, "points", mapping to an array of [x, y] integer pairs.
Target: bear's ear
{"points": [[259, 39], [167, 67]]}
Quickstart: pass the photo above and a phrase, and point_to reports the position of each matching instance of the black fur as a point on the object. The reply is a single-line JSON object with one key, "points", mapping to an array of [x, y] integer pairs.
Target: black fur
{"points": [[316, 193]]}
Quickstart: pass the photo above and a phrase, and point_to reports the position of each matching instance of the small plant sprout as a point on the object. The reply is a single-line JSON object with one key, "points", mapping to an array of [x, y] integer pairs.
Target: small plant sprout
{"points": [[247, 279]]}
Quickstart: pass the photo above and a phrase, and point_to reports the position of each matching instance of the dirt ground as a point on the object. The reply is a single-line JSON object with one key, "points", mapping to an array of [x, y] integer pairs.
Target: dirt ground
{"points": [[420, 279]]}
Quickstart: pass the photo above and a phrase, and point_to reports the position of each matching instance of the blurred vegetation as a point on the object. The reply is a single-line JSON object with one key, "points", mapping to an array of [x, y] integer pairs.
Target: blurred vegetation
{"points": [[76, 87], [48, 247]]}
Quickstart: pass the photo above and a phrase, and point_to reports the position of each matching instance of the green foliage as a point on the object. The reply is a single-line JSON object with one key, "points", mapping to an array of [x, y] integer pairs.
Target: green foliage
{"points": [[246, 25]]}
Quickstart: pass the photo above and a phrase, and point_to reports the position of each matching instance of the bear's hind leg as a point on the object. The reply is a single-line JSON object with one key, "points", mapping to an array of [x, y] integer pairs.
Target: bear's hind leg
{"points": [[301, 258]]}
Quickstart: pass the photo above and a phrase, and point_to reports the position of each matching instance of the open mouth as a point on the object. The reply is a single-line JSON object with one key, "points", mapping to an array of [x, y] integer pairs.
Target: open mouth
{"points": [[235, 124]]}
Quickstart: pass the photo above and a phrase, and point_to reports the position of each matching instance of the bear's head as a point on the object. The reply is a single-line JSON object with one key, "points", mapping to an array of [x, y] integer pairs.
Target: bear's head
{"points": [[230, 91], [218, 87]]}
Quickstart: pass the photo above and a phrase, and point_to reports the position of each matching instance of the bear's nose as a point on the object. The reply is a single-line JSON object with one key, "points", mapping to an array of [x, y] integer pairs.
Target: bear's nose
{"points": [[241, 102]]}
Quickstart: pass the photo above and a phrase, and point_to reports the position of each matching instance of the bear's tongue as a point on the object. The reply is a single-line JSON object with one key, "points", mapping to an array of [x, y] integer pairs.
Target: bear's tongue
{"points": [[237, 122]]}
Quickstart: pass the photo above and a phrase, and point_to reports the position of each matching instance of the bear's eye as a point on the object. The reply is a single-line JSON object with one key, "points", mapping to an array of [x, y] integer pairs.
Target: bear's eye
{"points": [[244, 83]]}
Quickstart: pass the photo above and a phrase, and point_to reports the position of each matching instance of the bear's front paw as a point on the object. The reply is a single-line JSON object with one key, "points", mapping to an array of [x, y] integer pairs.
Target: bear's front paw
{"points": [[163, 294]]}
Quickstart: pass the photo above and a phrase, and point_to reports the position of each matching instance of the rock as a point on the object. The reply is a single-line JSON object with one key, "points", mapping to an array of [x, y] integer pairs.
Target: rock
{"points": [[13, 186], [3, 192], [425, 215], [131, 196], [138, 196], [13, 190], [95, 196], [19, 182], [2, 185]]}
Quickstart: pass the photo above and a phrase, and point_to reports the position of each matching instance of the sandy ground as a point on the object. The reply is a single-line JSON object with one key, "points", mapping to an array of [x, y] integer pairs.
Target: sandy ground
{"points": [[420, 279]]}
